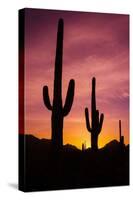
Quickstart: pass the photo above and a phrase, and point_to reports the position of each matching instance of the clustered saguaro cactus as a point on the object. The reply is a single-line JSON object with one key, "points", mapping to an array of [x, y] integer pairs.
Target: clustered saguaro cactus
{"points": [[58, 110], [96, 122]]}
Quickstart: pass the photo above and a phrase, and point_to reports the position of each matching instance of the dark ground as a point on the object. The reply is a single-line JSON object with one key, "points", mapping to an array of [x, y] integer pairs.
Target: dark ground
{"points": [[41, 169]]}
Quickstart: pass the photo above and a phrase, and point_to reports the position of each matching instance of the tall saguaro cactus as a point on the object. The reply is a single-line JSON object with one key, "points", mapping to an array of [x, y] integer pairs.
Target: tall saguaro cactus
{"points": [[120, 135], [96, 122], [58, 110]]}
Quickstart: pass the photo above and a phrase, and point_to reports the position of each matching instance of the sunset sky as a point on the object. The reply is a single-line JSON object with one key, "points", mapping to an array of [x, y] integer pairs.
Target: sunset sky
{"points": [[94, 45]]}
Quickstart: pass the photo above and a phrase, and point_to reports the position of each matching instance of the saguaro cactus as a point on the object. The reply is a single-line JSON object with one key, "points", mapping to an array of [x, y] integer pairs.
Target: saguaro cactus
{"points": [[58, 110], [83, 146], [96, 122], [120, 135]]}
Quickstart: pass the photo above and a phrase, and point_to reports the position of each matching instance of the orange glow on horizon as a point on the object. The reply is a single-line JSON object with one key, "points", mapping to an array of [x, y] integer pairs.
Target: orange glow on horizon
{"points": [[75, 133]]}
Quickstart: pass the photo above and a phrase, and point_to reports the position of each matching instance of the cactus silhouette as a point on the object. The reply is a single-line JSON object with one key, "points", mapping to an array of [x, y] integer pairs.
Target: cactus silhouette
{"points": [[83, 146], [58, 110], [96, 122], [120, 135]]}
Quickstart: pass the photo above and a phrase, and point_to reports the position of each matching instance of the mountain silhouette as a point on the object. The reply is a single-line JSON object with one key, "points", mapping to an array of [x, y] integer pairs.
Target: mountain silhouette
{"points": [[113, 145], [70, 147], [71, 167]]}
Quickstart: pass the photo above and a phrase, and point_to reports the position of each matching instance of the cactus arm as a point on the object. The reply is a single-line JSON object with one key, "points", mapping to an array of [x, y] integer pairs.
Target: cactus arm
{"points": [[101, 122], [46, 98], [97, 118], [87, 119], [69, 98]]}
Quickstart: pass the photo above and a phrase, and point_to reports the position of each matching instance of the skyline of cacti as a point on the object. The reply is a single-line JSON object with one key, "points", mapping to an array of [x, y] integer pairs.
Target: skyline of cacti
{"points": [[88, 51], [73, 100]]}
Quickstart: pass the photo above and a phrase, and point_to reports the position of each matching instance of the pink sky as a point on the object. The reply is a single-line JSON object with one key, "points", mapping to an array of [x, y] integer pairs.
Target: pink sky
{"points": [[94, 45]]}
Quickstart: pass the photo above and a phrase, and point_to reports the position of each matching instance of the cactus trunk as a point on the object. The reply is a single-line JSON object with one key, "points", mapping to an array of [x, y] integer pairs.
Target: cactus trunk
{"points": [[58, 110], [96, 122], [57, 117], [94, 142], [57, 130]]}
